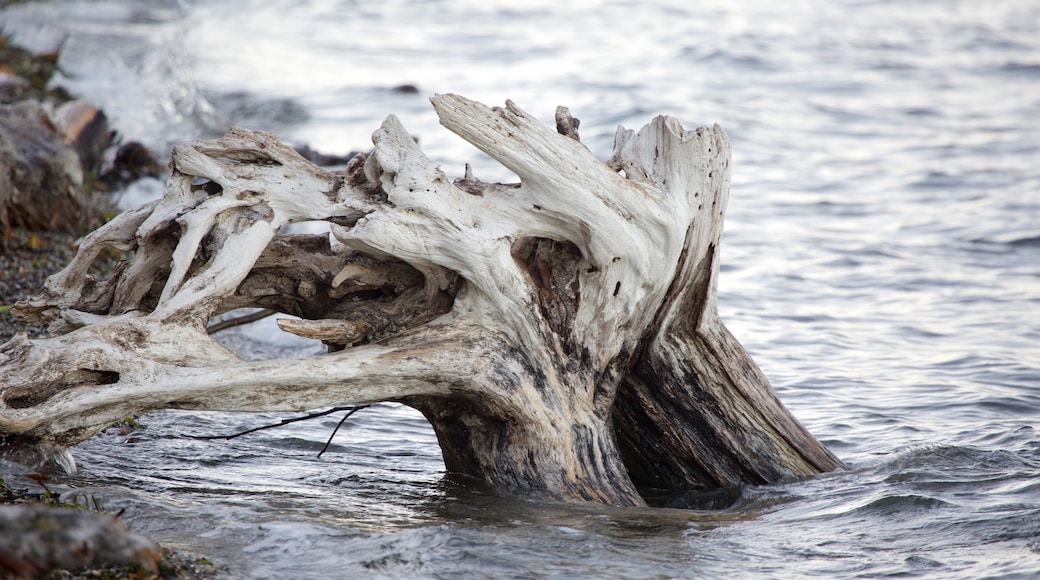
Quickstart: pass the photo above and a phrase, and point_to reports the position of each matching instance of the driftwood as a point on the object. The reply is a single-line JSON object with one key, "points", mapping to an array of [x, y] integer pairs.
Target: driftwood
{"points": [[560, 334]]}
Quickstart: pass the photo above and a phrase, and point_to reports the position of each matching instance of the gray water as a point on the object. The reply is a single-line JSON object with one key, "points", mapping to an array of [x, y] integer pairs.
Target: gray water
{"points": [[881, 263]]}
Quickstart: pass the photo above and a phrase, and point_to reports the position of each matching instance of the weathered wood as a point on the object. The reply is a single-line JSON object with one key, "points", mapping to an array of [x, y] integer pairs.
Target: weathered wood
{"points": [[559, 334], [694, 409]]}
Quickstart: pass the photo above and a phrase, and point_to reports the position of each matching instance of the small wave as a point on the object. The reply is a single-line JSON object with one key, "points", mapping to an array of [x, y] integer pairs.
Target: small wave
{"points": [[249, 110], [900, 504], [1031, 68], [922, 112], [951, 469], [999, 242], [745, 61], [938, 179], [1027, 242]]}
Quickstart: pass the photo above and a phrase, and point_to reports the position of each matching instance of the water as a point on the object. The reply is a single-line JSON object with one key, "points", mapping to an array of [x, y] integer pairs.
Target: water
{"points": [[881, 263]]}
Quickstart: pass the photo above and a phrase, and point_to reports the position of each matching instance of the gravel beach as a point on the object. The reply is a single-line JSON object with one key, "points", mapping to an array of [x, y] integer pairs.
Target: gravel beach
{"points": [[26, 259]]}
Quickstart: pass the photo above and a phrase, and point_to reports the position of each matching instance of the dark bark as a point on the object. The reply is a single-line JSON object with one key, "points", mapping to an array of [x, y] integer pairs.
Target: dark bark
{"points": [[697, 412]]}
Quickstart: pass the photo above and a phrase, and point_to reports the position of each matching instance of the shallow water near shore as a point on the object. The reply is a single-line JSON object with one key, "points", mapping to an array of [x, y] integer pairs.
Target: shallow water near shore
{"points": [[881, 263]]}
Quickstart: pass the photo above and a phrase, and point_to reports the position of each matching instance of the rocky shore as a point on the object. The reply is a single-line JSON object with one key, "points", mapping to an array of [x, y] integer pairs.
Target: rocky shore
{"points": [[58, 159], [27, 258]]}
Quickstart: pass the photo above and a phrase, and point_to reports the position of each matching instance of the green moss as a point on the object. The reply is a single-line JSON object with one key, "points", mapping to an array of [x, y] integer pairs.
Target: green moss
{"points": [[129, 422]]}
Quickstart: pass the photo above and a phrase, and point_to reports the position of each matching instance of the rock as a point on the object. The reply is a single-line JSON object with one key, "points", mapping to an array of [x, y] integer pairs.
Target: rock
{"points": [[85, 128], [41, 178], [25, 75], [11, 85], [322, 159], [132, 162], [36, 539]]}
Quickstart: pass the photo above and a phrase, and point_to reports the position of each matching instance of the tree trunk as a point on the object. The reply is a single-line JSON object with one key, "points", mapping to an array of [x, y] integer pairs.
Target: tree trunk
{"points": [[559, 334]]}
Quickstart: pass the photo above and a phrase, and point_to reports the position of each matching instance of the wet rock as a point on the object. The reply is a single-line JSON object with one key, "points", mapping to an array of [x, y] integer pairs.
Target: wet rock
{"points": [[41, 178], [132, 162], [85, 128], [26, 75], [11, 85], [36, 539], [50, 146], [324, 160]]}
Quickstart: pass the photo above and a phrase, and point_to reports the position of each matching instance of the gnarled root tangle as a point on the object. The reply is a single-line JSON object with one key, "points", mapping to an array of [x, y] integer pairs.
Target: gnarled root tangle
{"points": [[560, 334]]}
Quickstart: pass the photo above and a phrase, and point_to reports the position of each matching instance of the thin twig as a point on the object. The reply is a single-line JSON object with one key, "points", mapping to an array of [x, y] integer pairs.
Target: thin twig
{"points": [[338, 425], [351, 410], [245, 319]]}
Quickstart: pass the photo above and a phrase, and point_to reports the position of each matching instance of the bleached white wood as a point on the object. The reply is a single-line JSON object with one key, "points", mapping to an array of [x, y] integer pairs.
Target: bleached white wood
{"points": [[509, 314], [174, 366]]}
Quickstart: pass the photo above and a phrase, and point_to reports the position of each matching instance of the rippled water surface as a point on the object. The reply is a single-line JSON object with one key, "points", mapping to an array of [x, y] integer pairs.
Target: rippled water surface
{"points": [[881, 263]]}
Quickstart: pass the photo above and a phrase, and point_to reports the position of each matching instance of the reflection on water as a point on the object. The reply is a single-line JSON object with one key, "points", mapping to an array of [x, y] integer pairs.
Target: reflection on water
{"points": [[880, 263]]}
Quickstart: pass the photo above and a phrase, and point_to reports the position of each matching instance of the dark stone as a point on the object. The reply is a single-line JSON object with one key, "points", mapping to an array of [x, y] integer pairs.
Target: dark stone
{"points": [[406, 89], [132, 162], [85, 128], [37, 539], [41, 178], [324, 160]]}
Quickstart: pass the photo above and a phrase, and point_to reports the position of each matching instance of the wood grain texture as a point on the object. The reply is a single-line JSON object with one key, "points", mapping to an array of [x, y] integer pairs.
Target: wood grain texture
{"points": [[560, 334]]}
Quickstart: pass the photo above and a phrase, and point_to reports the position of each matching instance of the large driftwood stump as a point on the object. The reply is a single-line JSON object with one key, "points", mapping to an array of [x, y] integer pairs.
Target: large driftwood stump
{"points": [[560, 334]]}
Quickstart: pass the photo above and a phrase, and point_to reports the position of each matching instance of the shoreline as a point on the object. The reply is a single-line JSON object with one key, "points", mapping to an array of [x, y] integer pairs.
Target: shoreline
{"points": [[27, 259], [88, 542]]}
